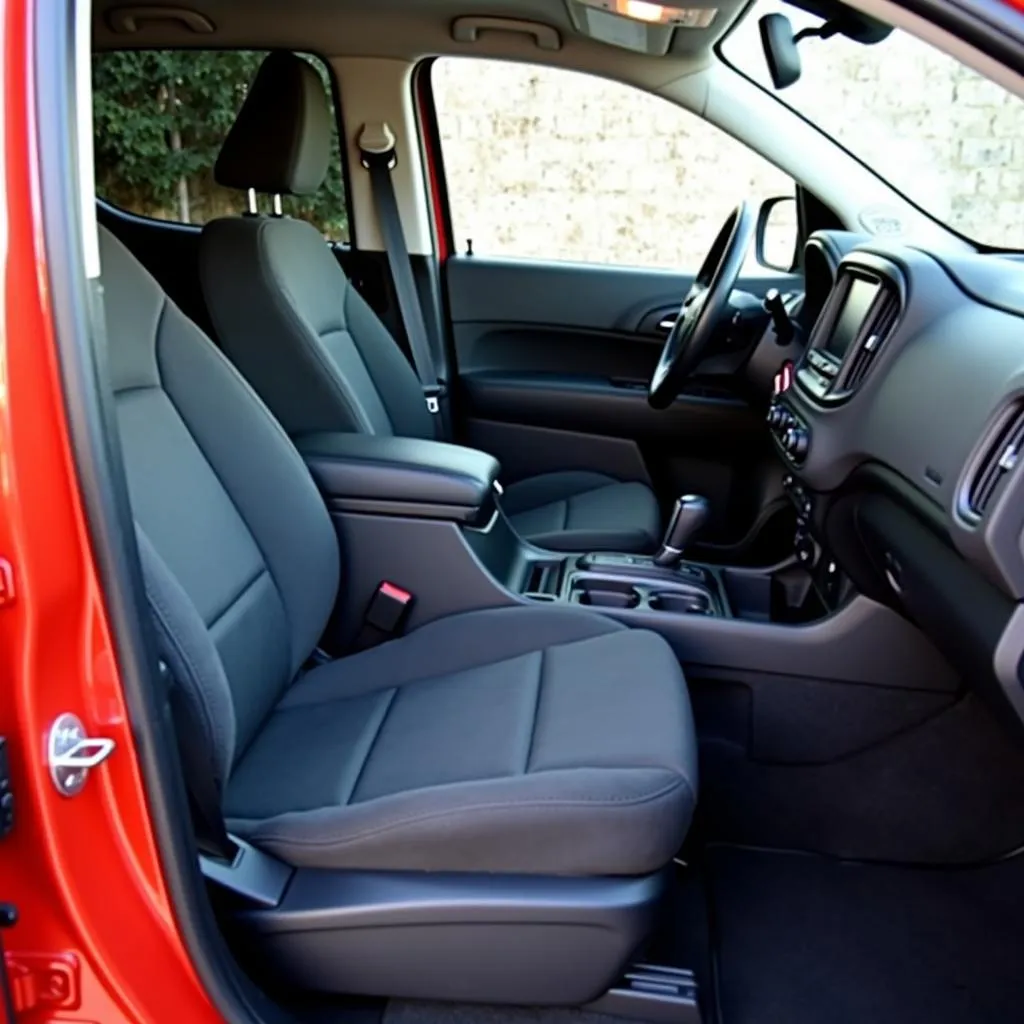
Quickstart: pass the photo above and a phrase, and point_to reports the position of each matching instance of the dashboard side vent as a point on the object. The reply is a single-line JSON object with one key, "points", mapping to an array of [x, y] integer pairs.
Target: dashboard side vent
{"points": [[998, 458], [882, 319]]}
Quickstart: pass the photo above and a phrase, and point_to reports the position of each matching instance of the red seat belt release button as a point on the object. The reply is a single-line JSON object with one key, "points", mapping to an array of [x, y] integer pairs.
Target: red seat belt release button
{"points": [[388, 609]]}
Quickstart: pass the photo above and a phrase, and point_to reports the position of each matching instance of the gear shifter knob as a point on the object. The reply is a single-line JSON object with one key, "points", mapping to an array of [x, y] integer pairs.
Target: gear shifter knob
{"points": [[689, 515]]}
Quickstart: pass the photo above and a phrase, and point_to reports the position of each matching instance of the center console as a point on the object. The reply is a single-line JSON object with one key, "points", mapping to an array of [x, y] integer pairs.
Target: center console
{"points": [[619, 581], [426, 517]]}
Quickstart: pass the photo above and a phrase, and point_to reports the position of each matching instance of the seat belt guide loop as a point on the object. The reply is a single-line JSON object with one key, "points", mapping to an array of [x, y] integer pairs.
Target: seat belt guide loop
{"points": [[376, 143], [432, 395]]}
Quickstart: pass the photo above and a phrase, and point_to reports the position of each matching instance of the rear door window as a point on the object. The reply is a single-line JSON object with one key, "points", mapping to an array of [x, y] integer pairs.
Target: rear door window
{"points": [[161, 117]]}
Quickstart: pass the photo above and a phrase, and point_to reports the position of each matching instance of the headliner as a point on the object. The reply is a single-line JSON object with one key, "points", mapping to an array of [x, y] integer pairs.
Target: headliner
{"points": [[404, 29]]}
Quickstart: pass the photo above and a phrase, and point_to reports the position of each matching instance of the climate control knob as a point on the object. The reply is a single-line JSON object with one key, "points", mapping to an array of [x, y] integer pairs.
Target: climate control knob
{"points": [[796, 442]]}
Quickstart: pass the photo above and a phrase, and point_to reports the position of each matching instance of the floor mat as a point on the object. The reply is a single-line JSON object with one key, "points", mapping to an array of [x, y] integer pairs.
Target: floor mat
{"points": [[807, 940]]}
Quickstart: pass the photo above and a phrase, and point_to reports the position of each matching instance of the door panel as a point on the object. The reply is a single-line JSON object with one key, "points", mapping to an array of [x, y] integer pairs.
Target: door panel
{"points": [[554, 361]]}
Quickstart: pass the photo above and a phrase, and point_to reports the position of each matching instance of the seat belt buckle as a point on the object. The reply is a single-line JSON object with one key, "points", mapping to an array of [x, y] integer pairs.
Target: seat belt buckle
{"points": [[432, 395], [385, 614]]}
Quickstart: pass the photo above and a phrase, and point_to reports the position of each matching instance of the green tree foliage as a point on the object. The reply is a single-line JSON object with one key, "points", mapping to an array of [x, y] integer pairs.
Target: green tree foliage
{"points": [[160, 119]]}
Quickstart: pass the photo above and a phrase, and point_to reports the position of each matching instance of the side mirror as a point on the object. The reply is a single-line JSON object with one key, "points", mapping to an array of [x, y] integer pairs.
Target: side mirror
{"points": [[777, 233], [779, 44]]}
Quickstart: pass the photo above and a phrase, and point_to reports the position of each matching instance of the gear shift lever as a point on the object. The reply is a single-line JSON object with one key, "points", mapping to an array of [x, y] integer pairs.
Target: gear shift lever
{"points": [[688, 516]]}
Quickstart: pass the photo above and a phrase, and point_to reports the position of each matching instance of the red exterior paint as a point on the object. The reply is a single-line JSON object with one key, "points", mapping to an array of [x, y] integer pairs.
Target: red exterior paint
{"points": [[83, 872]]}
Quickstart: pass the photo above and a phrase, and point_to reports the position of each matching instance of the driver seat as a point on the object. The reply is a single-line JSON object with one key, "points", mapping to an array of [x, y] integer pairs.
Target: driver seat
{"points": [[291, 321]]}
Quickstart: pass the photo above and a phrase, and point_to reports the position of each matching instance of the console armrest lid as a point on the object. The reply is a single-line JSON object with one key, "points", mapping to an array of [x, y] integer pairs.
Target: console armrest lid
{"points": [[401, 475]]}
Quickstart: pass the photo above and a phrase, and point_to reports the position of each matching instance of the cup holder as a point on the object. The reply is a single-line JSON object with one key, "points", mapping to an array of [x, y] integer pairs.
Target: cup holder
{"points": [[607, 594], [681, 603]]}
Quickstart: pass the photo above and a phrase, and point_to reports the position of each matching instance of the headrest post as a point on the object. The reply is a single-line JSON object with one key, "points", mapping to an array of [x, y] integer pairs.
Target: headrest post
{"points": [[253, 208], [278, 210]]}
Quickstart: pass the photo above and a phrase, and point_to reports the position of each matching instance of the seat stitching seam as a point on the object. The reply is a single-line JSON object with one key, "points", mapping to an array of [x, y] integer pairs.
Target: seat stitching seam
{"points": [[211, 722], [346, 295], [130, 389], [289, 307], [231, 498], [542, 804], [373, 743], [305, 348], [330, 698], [536, 710], [264, 571]]}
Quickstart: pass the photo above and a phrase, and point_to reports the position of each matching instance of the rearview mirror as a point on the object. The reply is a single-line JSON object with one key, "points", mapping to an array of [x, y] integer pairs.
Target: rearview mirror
{"points": [[780, 50], [778, 232]]}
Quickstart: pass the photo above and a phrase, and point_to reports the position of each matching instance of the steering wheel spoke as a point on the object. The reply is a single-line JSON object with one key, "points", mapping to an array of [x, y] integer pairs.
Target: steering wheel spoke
{"points": [[703, 307]]}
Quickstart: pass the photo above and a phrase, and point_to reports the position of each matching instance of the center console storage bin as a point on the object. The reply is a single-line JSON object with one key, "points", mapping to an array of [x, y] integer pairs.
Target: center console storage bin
{"points": [[402, 476]]}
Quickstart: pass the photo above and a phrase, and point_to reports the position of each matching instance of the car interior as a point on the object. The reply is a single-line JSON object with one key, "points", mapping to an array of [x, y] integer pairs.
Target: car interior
{"points": [[553, 641]]}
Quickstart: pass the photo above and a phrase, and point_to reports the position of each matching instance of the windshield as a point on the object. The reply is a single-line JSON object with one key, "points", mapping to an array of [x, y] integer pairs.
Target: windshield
{"points": [[949, 139]]}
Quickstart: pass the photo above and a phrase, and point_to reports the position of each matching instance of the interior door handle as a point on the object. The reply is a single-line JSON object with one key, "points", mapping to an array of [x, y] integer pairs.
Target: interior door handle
{"points": [[665, 324]]}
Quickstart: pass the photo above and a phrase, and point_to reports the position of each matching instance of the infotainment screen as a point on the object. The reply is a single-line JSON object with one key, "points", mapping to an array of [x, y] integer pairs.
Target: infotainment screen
{"points": [[851, 317]]}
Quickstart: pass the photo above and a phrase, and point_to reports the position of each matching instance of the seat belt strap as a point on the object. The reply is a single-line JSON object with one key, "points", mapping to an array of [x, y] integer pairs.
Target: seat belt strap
{"points": [[377, 151]]}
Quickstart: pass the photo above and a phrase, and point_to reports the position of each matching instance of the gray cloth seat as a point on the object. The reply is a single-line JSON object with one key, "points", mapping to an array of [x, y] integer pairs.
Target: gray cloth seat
{"points": [[533, 740], [291, 321], [509, 740], [570, 512]]}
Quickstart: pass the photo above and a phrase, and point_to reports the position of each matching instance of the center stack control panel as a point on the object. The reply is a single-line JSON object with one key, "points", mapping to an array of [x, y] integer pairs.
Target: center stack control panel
{"points": [[790, 432]]}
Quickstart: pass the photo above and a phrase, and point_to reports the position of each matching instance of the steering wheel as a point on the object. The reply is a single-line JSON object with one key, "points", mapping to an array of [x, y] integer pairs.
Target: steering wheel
{"points": [[705, 304]]}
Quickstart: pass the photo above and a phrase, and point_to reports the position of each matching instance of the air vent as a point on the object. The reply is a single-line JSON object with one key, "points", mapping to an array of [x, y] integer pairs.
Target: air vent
{"points": [[998, 459], [881, 320]]}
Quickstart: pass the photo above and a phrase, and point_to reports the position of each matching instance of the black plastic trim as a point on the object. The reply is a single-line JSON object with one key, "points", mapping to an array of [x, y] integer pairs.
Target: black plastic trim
{"points": [[493, 938], [251, 875], [605, 407], [873, 476], [963, 614]]}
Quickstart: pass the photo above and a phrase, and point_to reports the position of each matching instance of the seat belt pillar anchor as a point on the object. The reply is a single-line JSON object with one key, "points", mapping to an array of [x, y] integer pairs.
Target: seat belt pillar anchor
{"points": [[377, 143]]}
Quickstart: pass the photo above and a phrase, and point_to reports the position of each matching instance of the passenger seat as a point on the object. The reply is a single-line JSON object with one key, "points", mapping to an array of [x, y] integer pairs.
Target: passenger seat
{"points": [[526, 741], [304, 338]]}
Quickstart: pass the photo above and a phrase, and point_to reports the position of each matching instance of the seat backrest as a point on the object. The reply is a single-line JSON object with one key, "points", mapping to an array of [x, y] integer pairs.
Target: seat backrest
{"points": [[239, 554], [284, 311]]}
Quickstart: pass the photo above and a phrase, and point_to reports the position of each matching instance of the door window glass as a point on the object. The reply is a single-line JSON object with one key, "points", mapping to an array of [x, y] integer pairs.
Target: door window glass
{"points": [[558, 165]]}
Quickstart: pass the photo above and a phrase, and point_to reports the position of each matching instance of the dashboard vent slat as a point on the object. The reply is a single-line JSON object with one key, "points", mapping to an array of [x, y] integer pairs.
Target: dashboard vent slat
{"points": [[998, 459], [882, 320]]}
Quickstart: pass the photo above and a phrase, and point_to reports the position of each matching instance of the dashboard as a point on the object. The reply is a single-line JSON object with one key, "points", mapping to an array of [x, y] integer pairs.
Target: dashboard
{"points": [[902, 431]]}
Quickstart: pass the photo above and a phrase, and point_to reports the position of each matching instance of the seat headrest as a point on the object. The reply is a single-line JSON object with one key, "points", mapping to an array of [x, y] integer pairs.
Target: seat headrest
{"points": [[281, 140]]}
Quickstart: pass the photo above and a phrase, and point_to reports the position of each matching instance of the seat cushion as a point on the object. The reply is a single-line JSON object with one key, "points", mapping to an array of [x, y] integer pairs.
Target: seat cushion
{"points": [[534, 740], [583, 511]]}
